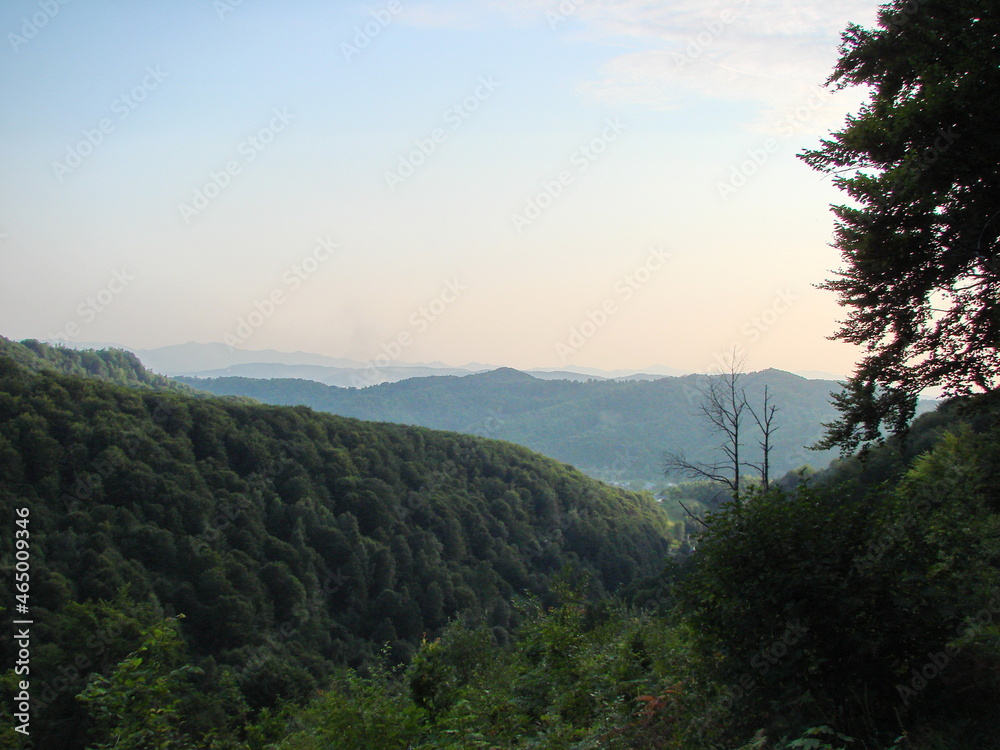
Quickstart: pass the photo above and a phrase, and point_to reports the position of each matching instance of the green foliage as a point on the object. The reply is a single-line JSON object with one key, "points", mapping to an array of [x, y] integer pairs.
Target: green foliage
{"points": [[574, 675], [821, 738], [443, 667], [70, 642], [138, 706], [824, 607], [866, 408], [358, 712]]}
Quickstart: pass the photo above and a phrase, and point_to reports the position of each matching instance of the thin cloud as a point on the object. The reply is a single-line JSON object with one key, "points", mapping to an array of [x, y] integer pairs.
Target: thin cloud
{"points": [[771, 52]]}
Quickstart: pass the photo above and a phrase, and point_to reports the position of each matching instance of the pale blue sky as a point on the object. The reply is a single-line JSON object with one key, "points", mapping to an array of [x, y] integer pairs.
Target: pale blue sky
{"points": [[692, 91]]}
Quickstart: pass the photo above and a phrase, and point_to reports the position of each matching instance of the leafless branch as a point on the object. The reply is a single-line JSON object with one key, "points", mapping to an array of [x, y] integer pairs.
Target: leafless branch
{"points": [[765, 422], [688, 511]]}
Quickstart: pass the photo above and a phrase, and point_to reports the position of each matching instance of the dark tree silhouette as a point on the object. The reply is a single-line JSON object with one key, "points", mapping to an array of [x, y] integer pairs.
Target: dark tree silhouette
{"points": [[765, 423], [919, 233]]}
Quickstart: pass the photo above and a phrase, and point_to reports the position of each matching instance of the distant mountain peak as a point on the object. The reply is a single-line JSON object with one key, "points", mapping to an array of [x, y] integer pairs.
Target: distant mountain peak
{"points": [[774, 372], [506, 374]]}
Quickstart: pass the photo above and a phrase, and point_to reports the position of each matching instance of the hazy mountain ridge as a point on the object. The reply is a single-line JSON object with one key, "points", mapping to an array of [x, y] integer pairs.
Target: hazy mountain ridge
{"points": [[219, 360], [616, 430]]}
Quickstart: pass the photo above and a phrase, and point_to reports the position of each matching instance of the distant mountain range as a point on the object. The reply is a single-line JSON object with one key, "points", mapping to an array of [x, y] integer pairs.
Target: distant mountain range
{"points": [[219, 360], [615, 430]]}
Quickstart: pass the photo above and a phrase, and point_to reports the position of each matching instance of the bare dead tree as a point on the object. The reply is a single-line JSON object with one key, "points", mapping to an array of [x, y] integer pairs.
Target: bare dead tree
{"points": [[724, 405], [765, 422]]}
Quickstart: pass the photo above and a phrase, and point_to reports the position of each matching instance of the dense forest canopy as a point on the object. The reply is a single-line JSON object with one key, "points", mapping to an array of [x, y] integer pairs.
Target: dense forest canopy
{"points": [[293, 543]]}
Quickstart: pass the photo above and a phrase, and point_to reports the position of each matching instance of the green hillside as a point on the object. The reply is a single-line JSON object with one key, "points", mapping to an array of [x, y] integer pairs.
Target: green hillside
{"points": [[110, 365], [293, 543], [615, 431], [860, 611]]}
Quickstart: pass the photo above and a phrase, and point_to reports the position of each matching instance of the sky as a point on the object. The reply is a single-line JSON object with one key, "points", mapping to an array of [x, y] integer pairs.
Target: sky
{"points": [[528, 183]]}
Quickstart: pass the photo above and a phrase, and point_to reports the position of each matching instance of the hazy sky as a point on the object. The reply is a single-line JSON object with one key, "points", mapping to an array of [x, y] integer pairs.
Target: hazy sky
{"points": [[518, 182]]}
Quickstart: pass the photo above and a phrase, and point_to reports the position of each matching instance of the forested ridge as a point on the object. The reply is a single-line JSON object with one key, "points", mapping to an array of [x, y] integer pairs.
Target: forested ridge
{"points": [[615, 431], [110, 365], [860, 609], [292, 543]]}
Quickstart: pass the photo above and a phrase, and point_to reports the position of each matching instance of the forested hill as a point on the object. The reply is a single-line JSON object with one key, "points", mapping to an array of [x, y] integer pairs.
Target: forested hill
{"points": [[291, 541], [112, 365], [612, 430]]}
